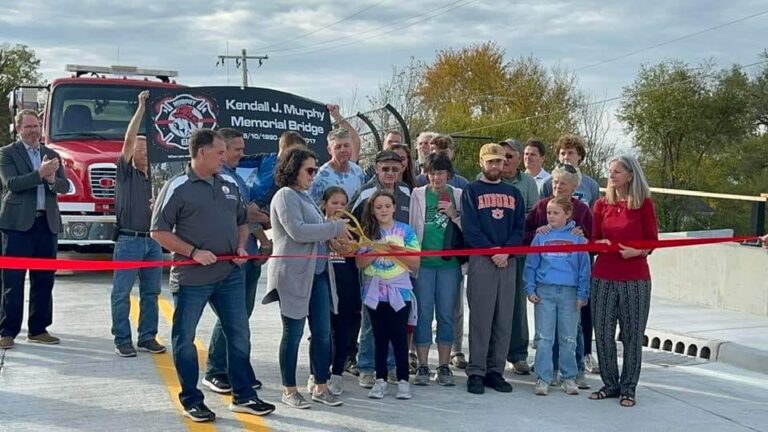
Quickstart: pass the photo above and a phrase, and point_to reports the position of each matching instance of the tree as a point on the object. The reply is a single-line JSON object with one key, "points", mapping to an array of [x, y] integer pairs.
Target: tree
{"points": [[475, 90], [400, 93], [594, 123], [18, 65], [688, 124]]}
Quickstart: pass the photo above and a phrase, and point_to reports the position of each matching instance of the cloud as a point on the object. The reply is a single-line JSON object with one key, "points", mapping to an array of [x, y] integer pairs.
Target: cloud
{"points": [[353, 57]]}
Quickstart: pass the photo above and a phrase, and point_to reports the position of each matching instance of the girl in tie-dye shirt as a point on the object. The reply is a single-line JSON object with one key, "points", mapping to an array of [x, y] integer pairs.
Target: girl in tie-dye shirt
{"points": [[388, 290]]}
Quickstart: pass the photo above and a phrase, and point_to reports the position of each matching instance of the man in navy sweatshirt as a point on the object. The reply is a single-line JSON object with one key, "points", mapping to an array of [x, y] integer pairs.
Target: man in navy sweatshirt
{"points": [[493, 216]]}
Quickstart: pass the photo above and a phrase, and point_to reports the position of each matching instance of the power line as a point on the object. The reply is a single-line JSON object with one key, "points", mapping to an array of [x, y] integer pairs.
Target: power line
{"points": [[322, 28], [332, 41], [671, 41], [611, 99], [424, 17]]}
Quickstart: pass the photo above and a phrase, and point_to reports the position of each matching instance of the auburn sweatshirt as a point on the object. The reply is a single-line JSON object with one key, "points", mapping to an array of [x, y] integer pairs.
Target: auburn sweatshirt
{"points": [[492, 215]]}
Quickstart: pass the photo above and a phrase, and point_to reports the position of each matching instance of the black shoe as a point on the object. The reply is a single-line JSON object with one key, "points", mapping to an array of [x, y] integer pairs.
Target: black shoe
{"points": [[253, 406], [475, 384], [495, 381], [125, 350], [219, 385], [257, 385], [200, 413], [151, 345]]}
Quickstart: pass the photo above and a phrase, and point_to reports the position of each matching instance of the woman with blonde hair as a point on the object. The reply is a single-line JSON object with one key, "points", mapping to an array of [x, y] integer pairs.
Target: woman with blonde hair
{"points": [[621, 281]]}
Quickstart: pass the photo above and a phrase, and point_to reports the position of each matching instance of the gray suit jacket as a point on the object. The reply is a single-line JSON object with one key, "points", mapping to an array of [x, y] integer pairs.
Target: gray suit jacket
{"points": [[20, 180], [297, 228]]}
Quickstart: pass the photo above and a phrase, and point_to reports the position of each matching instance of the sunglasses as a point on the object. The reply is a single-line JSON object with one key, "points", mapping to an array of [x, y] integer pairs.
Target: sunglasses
{"points": [[567, 167], [393, 170], [311, 171]]}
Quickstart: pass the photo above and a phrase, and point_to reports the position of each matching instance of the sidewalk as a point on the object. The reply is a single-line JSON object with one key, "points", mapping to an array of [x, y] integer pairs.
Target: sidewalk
{"points": [[82, 385], [740, 339]]}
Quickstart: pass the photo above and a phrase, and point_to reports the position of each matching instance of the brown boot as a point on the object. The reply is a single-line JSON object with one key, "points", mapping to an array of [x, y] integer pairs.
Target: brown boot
{"points": [[44, 338], [6, 342]]}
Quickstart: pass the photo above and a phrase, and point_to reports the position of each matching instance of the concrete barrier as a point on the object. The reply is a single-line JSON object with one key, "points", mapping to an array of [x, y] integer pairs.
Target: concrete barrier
{"points": [[723, 276]]}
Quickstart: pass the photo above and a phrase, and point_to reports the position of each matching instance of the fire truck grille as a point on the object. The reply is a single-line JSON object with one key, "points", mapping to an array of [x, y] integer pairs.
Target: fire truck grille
{"points": [[102, 177]]}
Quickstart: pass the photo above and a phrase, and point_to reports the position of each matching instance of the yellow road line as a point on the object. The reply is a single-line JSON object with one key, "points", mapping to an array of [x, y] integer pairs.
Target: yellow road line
{"points": [[164, 365], [249, 422]]}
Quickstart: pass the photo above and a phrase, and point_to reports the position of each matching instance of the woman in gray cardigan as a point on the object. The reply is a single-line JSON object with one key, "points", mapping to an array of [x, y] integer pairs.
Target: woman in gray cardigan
{"points": [[303, 285]]}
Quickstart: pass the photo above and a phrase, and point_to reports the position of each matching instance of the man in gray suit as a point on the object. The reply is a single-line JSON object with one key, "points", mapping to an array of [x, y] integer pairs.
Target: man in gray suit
{"points": [[32, 175]]}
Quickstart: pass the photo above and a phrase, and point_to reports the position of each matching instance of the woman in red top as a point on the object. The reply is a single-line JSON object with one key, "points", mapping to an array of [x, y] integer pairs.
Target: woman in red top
{"points": [[621, 281]]}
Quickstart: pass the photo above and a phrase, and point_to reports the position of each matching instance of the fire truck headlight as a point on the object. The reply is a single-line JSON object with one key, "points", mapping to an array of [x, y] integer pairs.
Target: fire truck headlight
{"points": [[72, 189]]}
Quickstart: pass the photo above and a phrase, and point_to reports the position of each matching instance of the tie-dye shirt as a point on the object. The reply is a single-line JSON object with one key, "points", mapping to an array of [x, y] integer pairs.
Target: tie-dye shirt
{"points": [[384, 268]]}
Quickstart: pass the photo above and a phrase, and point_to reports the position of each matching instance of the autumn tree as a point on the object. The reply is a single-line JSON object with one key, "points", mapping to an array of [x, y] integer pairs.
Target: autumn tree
{"points": [[18, 65], [476, 91]]}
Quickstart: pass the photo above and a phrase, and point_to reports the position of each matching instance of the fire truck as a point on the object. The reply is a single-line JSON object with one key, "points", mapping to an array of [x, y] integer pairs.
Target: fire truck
{"points": [[85, 117]]}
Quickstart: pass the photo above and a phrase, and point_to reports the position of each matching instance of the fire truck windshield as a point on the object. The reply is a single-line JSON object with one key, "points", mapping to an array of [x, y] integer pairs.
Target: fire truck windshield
{"points": [[92, 111]]}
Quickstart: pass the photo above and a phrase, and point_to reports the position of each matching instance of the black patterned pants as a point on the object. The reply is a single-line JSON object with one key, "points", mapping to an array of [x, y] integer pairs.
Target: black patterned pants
{"points": [[626, 303]]}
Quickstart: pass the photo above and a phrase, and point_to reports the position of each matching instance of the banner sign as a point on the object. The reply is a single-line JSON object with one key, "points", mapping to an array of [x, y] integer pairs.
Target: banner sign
{"points": [[261, 114]]}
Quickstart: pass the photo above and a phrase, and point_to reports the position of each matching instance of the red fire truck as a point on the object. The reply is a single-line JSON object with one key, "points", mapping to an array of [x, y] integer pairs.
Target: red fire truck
{"points": [[84, 119]]}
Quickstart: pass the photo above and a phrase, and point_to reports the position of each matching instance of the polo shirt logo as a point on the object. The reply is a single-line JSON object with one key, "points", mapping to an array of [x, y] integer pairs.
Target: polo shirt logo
{"points": [[225, 189]]}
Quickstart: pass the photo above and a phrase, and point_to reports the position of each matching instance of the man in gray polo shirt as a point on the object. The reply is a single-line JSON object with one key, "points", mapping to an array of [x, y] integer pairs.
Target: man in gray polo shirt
{"points": [[134, 212], [200, 215]]}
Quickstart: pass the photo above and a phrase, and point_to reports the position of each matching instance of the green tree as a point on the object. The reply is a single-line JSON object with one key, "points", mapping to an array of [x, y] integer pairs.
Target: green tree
{"points": [[18, 65], [688, 124]]}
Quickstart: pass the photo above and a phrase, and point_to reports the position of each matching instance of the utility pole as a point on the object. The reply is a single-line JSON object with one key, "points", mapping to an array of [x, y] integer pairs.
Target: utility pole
{"points": [[242, 60]]}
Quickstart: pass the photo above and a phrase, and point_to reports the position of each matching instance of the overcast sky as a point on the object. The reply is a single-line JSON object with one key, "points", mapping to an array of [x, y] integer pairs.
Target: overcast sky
{"points": [[354, 56]]}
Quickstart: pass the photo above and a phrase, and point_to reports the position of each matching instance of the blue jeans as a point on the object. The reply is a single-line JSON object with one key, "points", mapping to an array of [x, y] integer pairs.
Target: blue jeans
{"points": [[319, 327], [556, 312], [135, 249], [579, 348], [217, 349], [226, 299], [437, 291], [366, 356]]}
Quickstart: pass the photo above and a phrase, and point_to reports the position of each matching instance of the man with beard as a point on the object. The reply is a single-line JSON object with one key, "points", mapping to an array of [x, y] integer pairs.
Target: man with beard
{"points": [[493, 216]]}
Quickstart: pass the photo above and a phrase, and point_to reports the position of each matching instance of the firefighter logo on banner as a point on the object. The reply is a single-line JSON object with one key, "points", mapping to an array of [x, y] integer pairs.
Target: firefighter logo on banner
{"points": [[177, 117]]}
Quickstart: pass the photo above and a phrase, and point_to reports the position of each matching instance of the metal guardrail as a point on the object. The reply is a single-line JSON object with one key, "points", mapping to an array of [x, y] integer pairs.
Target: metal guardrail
{"points": [[758, 203]]}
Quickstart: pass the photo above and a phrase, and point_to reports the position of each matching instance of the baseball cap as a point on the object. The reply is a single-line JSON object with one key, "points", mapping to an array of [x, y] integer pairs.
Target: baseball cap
{"points": [[513, 144], [491, 151], [388, 155]]}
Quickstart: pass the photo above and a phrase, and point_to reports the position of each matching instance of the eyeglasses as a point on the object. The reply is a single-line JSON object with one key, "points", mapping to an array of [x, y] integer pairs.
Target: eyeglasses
{"points": [[393, 170], [567, 167], [311, 171]]}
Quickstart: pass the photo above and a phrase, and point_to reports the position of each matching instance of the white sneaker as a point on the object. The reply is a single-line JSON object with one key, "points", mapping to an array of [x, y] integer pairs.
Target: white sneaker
{"points": [[542, 388], [379, 389], [581, 381], [403, 390], [336, 385], [311, 384], [570, 387], [591, 365]]}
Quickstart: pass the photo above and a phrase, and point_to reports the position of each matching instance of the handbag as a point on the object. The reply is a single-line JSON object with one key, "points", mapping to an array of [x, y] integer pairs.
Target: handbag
{"points": [[454, 239]]}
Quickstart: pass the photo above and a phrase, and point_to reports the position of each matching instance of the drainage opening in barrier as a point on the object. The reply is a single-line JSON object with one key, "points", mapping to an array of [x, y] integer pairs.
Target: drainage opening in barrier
{"points": [[693, 350], [656, 343], [679, 348], [667, 345], [705, 353]]}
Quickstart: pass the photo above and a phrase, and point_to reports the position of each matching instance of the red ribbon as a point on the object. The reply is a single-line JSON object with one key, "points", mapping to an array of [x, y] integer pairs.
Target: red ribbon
{"points": [[52, 264]]}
